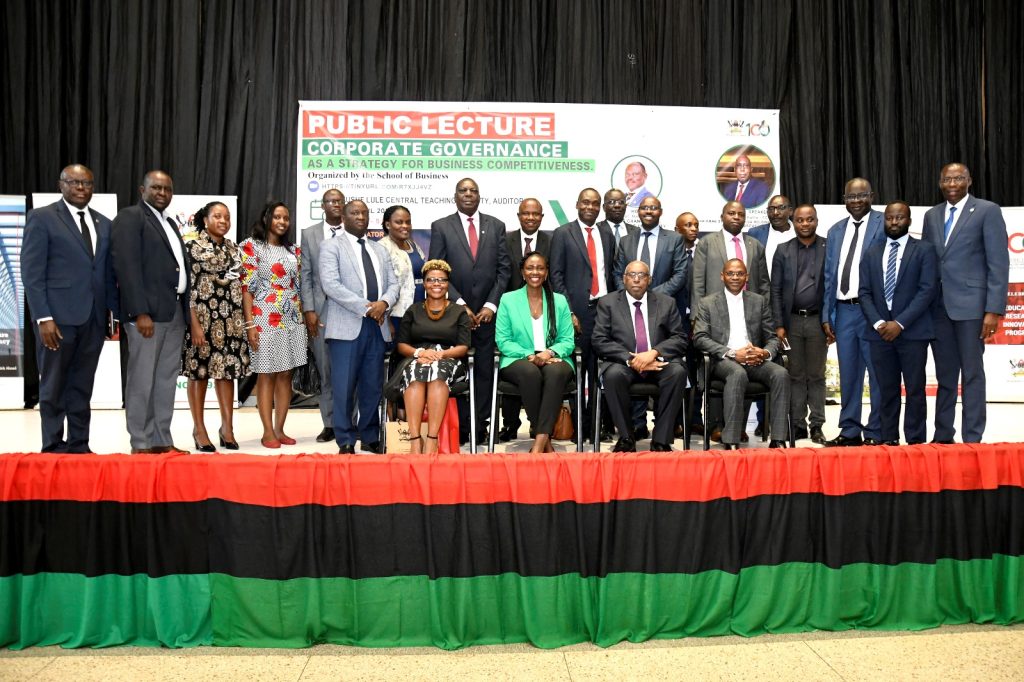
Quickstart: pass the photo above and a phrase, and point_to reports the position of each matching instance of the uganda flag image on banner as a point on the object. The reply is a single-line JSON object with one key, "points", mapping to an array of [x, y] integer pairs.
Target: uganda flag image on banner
{"points": [[451, 551]]}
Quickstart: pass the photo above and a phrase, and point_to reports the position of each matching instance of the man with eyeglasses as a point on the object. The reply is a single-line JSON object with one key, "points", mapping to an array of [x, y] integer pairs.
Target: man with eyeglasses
{"points": [[474, 245], [69, 283], [778, 230], [969, 236], [841, 316], [582, 260], [746, 190], [527, 239], [314, 300], [638, 335], [615, 214]]}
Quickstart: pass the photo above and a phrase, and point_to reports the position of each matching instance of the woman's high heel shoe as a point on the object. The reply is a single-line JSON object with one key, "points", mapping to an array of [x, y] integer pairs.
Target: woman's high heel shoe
{"points": [[202, 448], [224, 443]]}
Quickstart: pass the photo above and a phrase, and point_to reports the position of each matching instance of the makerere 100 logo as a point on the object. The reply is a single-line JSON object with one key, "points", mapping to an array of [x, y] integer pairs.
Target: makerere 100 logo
{"points": [[744, 129]]}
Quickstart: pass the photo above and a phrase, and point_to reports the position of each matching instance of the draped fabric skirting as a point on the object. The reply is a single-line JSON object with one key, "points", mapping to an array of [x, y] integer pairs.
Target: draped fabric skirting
{"points": [[451, 551]]}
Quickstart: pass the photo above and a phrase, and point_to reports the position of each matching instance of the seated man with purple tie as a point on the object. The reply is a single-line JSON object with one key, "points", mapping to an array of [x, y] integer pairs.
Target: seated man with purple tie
{"points": [[638, 335]]}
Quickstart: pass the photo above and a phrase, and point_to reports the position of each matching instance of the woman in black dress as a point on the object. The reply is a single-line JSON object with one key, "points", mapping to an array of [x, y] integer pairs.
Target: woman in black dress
{"points": [[433, 338], [215, 343]]}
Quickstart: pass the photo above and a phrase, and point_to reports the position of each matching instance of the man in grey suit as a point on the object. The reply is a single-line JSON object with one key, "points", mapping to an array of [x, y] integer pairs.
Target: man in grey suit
{"points": [[735, 328], [615, 214], [714, 250], [969, 236], [473, 243], [798, 287], [360, 284], [69, 284], [528, 238], [151, 263], [314, 300]]}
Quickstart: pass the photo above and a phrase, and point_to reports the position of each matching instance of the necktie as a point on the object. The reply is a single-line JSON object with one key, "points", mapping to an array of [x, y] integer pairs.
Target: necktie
{"points": [[949, 224], [890, 273], [370, 274], [334, 230], [472, 238], [529, 248], [736, 248], [844, 283], [689, 256], [618, 234], [645, 252], [592, 255], [85, 233], [739, 192], [640, 328]]}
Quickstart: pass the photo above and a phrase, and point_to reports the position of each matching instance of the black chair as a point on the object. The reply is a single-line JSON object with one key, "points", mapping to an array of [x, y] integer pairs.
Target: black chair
{"points": [[755, 389], [642, 390], [503, 388], [457, 389]]}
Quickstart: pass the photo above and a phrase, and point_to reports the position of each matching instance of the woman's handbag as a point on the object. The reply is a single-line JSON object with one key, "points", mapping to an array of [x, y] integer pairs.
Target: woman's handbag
{"points": [[563, 425]]}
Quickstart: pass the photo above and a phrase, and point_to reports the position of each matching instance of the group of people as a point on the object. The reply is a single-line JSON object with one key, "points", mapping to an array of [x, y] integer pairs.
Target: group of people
{"points": [[642, 303]]}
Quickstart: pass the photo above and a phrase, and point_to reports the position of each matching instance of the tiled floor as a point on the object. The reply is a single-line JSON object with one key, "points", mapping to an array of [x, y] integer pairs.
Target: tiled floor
{"points": [[964, 652]]}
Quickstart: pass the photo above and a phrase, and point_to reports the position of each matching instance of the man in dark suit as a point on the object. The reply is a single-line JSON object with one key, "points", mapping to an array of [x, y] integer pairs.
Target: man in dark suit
{"points": [[798, 287], [898, 281], [777, 231], [314, 301], [639, 334], [151, 263], [969, 236], [582, 257], [746, 190], [69, 284], [474, 245], [735, 327], [688, 227], [615, 214], [841, 317], [528, 238]]}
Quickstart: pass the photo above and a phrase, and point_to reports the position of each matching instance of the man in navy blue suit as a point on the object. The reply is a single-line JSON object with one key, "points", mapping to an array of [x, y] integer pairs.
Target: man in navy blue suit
{"points": [[841, 317], [69, 282], [746, 190], [969, 236], [898, 279]]}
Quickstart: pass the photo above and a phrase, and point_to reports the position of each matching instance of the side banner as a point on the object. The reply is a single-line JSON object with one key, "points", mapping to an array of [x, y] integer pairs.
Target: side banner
{"points": [[12, 302], [413, 153]]}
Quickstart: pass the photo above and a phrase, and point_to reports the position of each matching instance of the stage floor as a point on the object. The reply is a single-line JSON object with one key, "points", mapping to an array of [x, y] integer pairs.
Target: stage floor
{"points": [[21, 430]]}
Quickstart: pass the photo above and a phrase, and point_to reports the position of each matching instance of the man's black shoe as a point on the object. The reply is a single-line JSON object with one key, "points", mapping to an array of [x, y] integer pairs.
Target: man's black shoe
{"points": [[624, 445], [800, 432], [872, 441], [481, 437], [943, 442], [326, 435], [844, 441], [375, 447], [347, 449], [730, 446], [777, 444], [657, 446], [641, 432], [744, 438], [506, 434], [817, 435], [759, 431], [890, 442], [607, 435]]}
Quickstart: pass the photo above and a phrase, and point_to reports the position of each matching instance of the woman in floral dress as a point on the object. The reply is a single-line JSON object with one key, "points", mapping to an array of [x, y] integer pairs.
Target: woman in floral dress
{"points": [[215, 343], [273, 317]]}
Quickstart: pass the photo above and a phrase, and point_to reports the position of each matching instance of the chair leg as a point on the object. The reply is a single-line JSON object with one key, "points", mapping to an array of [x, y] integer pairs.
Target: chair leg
{"points": [[687, 418], [767, 417], [597, 416], [494, 405], [707, 444], [472, 414], [579, 416]]}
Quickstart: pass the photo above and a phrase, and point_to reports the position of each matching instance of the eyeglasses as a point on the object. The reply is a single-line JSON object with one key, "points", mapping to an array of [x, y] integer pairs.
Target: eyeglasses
{"points": [[615, 202], [783, 207], [953, 180], [859, 196], [636, 276], [649, 208], [436, 280], [84, 184]]}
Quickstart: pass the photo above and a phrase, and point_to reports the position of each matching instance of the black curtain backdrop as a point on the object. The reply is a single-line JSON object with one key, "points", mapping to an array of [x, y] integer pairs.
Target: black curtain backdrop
{"points": [[208, 90]]}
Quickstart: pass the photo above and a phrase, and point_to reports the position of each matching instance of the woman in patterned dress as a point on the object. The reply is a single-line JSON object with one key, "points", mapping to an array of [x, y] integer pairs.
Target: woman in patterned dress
{"points": [[215, 343], [273, 317]]}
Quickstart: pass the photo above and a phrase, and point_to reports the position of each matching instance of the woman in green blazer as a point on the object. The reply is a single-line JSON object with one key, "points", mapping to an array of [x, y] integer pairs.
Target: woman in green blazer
{"points": [[534, 333]]}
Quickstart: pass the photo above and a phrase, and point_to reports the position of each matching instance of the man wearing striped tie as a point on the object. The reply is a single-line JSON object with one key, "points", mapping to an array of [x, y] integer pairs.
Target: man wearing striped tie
{"points": [[898, 282]]}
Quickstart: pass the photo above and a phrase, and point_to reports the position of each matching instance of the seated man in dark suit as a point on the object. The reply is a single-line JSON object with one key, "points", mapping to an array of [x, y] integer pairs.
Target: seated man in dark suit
{"points": [[898, 282], [639, 334], [736, 328]]}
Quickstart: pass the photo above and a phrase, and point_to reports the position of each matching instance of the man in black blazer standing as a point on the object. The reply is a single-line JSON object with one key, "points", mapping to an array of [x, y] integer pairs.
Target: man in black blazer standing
{"points": [[474, 245], [69, 284], [529, 237], [898, 282], [582, 256], [152, 270], [615, 214], [798, 289], [735, 327], [639, 335]]}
